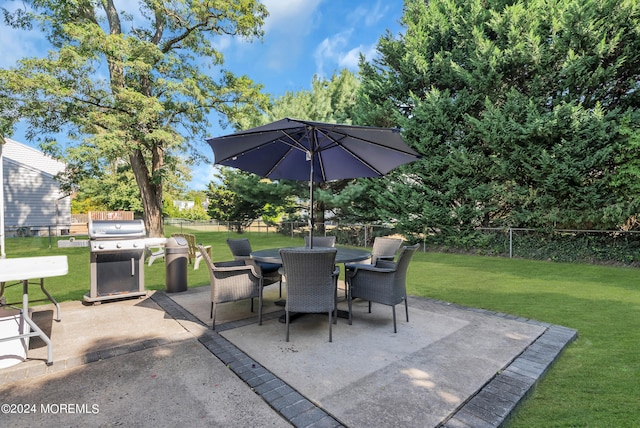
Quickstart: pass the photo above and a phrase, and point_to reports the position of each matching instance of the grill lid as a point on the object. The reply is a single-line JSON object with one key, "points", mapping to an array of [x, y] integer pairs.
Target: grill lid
{"points": [[116, 229]]}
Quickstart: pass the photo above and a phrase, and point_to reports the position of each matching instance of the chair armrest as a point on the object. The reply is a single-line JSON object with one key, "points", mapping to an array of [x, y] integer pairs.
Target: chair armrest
{"points": [[373, 268], [231, 263], [369, 268], [385, 264], [254, 266], [352, 266], [236, 265]]}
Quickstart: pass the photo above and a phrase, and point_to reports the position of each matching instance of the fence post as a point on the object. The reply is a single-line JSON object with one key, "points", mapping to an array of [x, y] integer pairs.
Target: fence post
{"points": [[510, 243], [365, 235], [424, 240]]}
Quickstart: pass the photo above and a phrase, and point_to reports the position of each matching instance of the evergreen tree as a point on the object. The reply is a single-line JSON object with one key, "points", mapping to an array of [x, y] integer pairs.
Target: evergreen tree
{"points": [[240, 197], [516, 107]]}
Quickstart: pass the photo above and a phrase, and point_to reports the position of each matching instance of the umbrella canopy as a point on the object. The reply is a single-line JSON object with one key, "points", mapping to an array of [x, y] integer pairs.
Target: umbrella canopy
{"points": [[294, 149]]}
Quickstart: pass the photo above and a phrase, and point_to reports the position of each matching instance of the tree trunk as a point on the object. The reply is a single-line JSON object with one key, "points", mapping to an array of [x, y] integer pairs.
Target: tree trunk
{"points": [[151, 192], [320, 219]]}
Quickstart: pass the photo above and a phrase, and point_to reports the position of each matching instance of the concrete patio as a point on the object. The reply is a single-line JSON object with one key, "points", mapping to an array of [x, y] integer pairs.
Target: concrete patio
{"points": [[156, 362]]}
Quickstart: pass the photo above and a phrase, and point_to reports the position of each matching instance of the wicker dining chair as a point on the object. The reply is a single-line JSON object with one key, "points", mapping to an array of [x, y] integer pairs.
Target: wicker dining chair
{"points": [[320, 241], [383, 249], [241, 250], [383, 283], [312, 279], [232, 281]]}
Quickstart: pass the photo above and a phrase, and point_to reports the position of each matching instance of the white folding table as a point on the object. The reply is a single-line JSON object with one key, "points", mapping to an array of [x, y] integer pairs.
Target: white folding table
{"points": [[22, 270]]}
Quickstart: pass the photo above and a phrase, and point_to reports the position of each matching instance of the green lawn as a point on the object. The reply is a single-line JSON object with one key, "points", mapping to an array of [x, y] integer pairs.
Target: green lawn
{"points": [[596, 381]]}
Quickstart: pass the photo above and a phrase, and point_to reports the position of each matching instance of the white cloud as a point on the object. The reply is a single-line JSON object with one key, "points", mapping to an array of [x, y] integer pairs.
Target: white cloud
{"points": [[333, 53], [222, 42], [290, 17], [20, 44], [325, 56], [341, 50], [350, 59], [285, 29], [370, 15], [370, 51], [201, 176], [288, 24], [329, 51]]}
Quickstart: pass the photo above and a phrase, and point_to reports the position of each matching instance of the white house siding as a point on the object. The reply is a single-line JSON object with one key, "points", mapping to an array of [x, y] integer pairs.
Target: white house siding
{"points": [[32, 195]]}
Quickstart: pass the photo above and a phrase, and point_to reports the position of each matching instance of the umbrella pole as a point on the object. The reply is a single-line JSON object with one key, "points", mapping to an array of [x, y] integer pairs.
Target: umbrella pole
{"points": [[311, 221]]}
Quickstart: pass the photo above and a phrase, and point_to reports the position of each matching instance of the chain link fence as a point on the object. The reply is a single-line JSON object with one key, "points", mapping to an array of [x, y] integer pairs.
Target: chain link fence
{"points": [[36, 230], [346, 234], [562, 245]]}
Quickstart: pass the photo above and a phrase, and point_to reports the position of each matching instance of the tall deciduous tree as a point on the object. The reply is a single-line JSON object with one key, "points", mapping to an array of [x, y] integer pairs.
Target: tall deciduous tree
{"points": [[131, 86], [516, 106]]}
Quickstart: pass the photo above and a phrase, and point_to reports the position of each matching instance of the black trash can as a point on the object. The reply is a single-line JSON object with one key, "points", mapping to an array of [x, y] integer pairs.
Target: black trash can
{"points": [[176, 256]]}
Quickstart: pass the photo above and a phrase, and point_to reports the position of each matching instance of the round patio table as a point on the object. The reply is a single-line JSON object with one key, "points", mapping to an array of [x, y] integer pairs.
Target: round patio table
{"points": [[344, 255]]}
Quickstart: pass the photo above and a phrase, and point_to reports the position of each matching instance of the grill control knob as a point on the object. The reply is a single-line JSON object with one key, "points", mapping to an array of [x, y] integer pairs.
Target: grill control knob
{"points": [[118, 245], [101, 246]]}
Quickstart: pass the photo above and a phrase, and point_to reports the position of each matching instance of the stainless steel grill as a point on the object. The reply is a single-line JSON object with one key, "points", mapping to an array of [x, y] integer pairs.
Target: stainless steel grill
{"points": [[117, 260]]}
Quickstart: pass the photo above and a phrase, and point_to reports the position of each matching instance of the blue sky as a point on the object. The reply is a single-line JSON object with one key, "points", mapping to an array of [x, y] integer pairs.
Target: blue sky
{"points": [[302, 38]]}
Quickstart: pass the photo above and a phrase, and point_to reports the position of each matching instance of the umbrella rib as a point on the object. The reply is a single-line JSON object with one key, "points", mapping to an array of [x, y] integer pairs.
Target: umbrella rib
{"points": [[316, 152], [338, 126], [364, 140], [293, 145], [232, 157], [336, 143]]}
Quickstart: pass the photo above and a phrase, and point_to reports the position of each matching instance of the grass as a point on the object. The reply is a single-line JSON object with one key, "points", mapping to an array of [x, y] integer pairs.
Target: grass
{"points": [[76, 283], [594, 383]]}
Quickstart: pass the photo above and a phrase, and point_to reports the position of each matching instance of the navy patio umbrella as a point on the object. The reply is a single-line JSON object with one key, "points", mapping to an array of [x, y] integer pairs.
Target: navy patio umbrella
{"points": [[294, 149]]}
